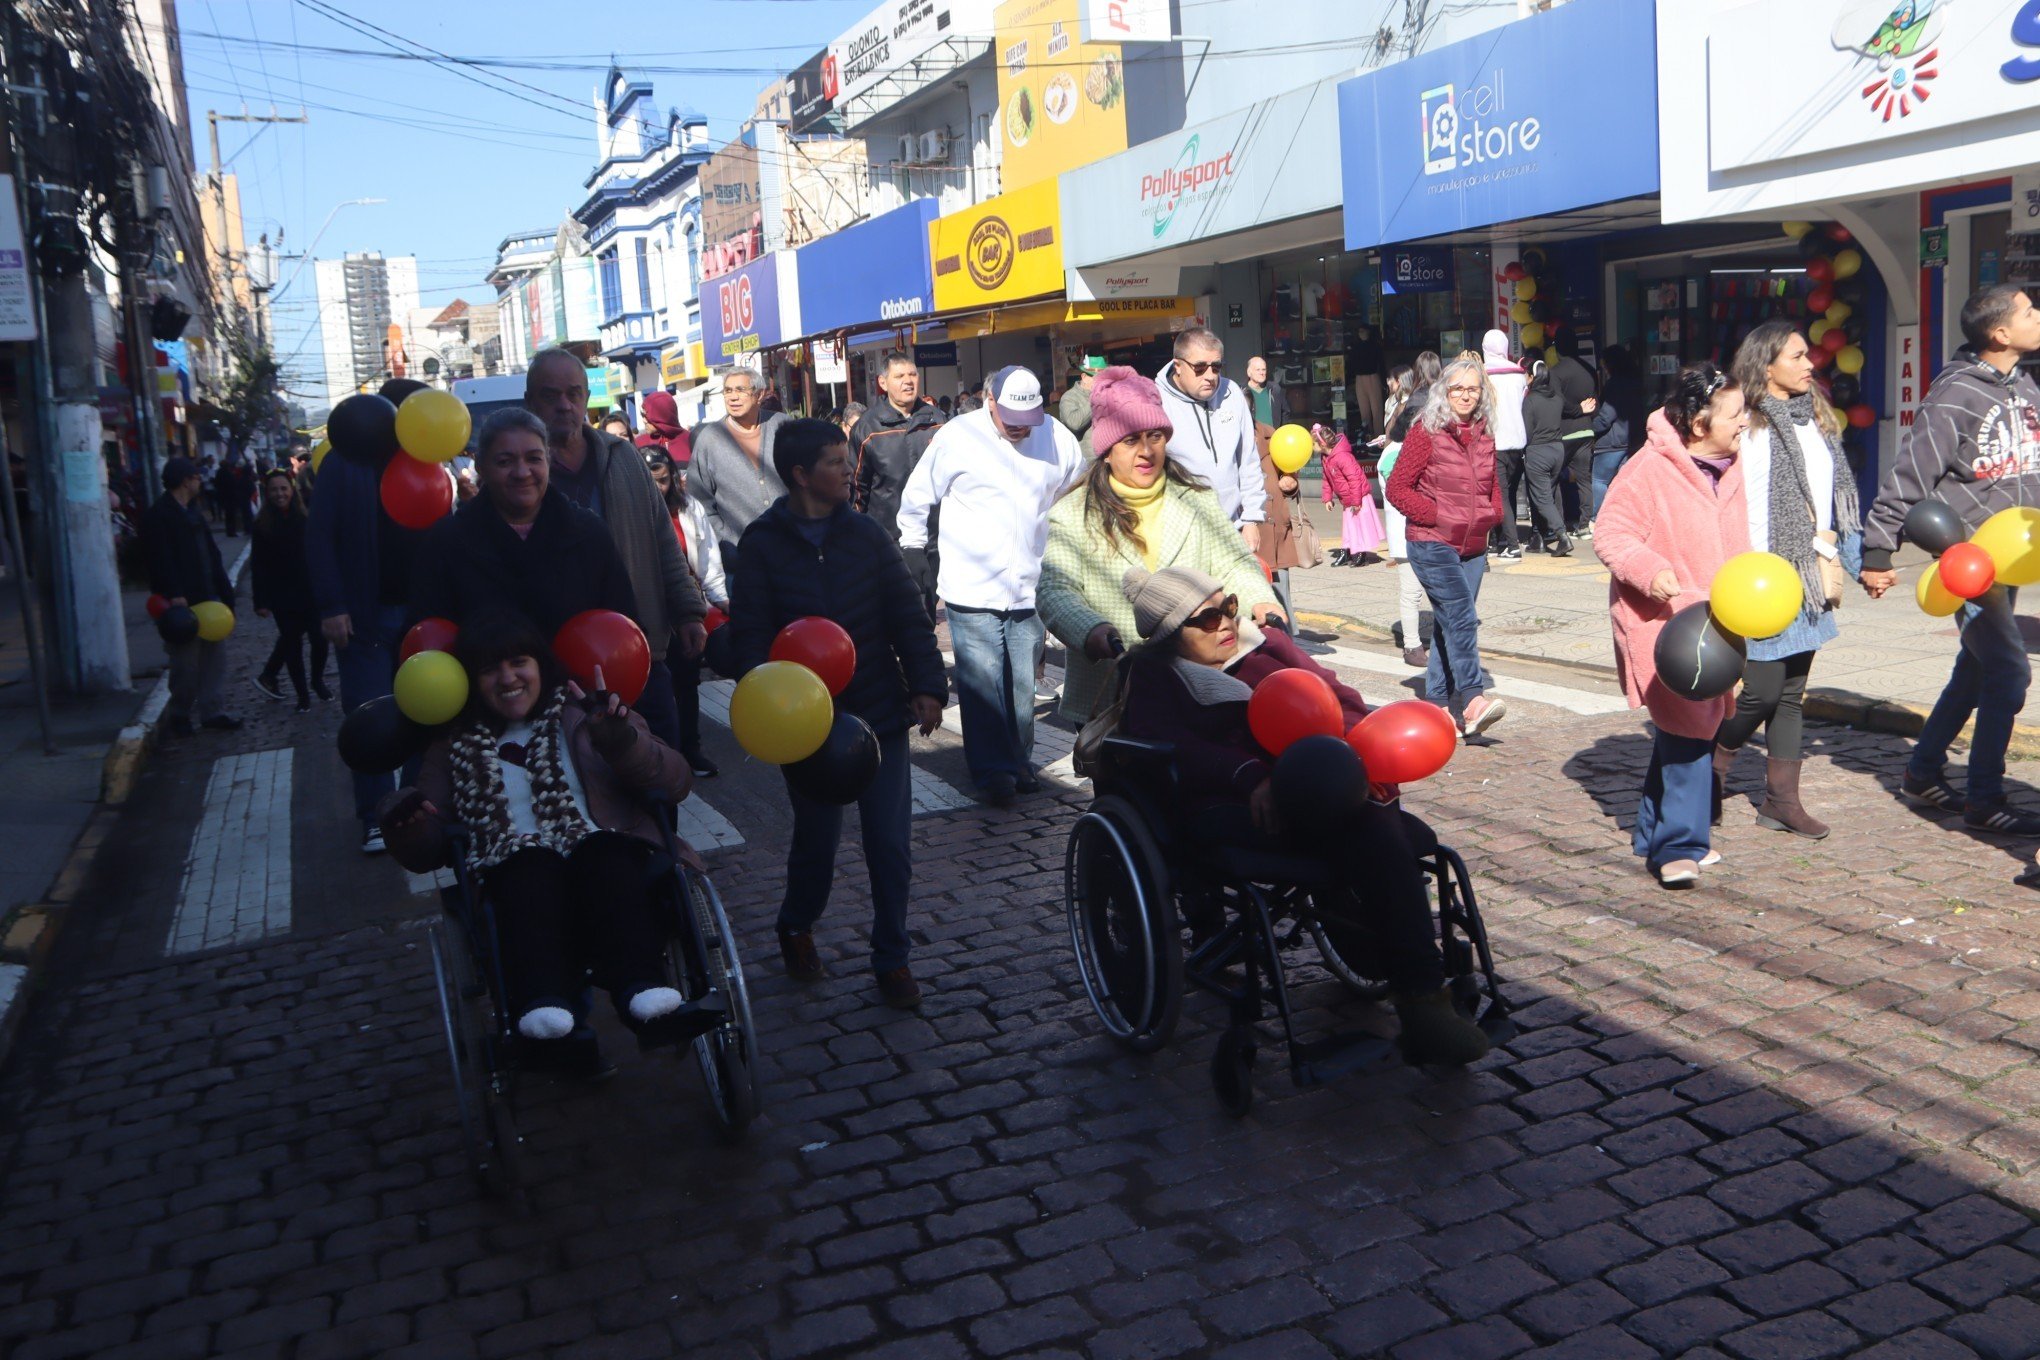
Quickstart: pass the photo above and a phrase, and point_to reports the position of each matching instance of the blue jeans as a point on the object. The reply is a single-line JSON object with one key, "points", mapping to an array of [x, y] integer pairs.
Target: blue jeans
{"points": [[996, 655], [368, 665], [1607, 462], [886, 811], [1453, 583], [1678, 797], [1990, 680]]}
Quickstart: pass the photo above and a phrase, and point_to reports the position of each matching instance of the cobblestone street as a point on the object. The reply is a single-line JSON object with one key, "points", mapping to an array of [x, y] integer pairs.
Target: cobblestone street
{"points": [[1792, 1113]]}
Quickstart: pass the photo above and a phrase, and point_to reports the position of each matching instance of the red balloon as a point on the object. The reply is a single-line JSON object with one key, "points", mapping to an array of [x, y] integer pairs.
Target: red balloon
{"points": [[427, 635], [417, 495], [157, 604], [1404, 741], [1967, 571], [1822, 356], [1837, 232], [605, 638], [822, 646], [1820, 269], [1291, 705], [1514, 270], [1820, 299], [1862, 415], [1835, 341]]}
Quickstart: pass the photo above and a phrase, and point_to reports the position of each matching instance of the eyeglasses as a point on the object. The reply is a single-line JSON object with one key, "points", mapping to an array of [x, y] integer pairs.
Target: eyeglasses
{"points": [[1462, 391], [1210, 620], [1200, 369]]}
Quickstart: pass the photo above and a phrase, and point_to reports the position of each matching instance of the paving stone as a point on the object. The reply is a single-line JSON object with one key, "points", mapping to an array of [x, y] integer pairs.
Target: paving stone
{"points": [[1803, 1336]]}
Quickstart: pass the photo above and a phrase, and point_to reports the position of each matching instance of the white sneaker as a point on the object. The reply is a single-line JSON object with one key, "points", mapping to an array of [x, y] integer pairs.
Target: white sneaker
{"points": [[371, 844], [1712, 857], [1482, 714], [1679, 873]]}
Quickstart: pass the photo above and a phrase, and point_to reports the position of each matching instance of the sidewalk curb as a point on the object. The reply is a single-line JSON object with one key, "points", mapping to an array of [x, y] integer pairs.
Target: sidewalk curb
{"points": [[29, 933], [1824, 704]]}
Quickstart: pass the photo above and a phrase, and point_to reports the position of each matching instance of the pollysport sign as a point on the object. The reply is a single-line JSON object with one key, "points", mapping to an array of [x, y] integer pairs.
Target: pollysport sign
{"points": [[1194, 178]]}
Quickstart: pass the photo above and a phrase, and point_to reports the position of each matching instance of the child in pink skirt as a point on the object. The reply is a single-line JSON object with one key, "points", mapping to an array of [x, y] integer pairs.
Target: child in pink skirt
{"points": [[1345, 480]]}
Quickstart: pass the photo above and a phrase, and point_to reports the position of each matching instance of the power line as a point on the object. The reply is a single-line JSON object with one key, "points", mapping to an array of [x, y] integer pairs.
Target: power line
{"points": [[456, 63]]}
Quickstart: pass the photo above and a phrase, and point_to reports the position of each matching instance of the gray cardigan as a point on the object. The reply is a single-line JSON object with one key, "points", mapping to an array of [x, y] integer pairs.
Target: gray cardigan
{"points": [[667, 595], [722, 477]]}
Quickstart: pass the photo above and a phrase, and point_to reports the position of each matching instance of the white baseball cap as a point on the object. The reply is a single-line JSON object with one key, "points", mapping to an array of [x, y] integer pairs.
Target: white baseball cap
{"points": [[1017, 394]]}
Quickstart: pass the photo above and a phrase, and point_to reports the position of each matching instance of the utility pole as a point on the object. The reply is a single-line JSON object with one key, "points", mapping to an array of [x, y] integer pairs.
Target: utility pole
{"points": [[219, 188]]}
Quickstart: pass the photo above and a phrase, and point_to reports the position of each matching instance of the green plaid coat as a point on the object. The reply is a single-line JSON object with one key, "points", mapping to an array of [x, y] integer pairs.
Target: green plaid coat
{"points": [[1080, 578]]}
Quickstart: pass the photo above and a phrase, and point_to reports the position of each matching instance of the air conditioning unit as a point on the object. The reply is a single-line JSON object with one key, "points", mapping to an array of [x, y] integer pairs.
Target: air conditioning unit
{"points": [[910, 149], [935, 148]]}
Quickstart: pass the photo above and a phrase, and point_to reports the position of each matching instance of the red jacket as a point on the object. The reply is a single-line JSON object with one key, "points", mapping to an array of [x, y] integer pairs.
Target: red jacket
{"points": [[1445, 485]]}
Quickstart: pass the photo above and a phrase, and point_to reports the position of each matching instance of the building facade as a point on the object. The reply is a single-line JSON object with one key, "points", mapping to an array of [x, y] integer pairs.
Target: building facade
{"points": [[363, 298]]}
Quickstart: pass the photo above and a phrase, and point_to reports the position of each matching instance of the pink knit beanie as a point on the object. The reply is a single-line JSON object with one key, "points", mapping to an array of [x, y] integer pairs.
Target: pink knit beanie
{"points": [[1124, 402]]}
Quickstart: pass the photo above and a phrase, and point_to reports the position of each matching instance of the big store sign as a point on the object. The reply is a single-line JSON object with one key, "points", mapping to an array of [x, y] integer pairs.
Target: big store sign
{"points": [[740, 311]]}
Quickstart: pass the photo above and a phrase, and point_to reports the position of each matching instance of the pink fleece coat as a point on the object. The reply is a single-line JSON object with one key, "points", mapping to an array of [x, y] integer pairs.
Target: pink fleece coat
{"points": [[1662, 512], [1345, 480]]}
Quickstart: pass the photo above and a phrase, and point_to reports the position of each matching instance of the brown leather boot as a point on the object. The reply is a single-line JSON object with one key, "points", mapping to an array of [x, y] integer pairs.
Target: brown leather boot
{"points": [[1724, 761], [1781, 810]]}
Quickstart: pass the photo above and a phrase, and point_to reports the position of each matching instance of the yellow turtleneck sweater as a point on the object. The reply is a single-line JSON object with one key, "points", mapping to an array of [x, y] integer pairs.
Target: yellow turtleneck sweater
{"points": [[1148, 506]]}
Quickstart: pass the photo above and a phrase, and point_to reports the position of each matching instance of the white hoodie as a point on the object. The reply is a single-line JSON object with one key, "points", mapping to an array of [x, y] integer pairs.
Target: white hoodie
{"points": [[1214, 442], [1510, 383]]}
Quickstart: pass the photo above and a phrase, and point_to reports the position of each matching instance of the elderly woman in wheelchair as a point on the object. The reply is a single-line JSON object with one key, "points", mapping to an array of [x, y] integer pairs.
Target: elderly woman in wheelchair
{"points": [[1189, 686], [552, 788]]}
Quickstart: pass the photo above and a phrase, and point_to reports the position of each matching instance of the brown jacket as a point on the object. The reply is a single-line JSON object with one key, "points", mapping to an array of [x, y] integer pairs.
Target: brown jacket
{"points": [[1279, 549], [615, 793]]}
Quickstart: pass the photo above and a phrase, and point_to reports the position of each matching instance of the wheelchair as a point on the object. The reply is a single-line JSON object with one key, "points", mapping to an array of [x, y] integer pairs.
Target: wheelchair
{"points": [[1131, 879], [487, 1055]]}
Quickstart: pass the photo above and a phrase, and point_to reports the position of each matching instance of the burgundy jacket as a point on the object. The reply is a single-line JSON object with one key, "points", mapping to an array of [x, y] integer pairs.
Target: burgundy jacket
{"points": [[1217, 759], [1444, 483]]}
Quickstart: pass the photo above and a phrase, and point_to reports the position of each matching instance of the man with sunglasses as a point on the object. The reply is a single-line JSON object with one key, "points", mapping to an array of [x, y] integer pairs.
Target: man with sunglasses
{"points": [[1214, 430], [993, 474]]}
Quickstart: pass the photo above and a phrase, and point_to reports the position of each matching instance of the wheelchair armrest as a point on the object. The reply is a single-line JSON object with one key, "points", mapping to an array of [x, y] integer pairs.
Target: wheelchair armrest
{"points": [[1153, 759]]}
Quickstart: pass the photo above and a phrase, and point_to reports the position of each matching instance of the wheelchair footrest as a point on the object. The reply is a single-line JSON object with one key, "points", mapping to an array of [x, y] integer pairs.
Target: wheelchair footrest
{"points": [[689, 1022], [1338, 1055], [1498, 1024]]}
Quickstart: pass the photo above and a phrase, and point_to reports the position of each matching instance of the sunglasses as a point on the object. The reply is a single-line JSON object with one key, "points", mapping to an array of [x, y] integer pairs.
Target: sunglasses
{"points": [[1210, 620], [1200, 369]]}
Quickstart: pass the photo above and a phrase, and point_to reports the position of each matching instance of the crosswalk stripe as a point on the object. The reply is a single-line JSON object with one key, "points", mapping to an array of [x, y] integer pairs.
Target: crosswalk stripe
{"points": [[931, 794], [236, 885], [1580, 701]]}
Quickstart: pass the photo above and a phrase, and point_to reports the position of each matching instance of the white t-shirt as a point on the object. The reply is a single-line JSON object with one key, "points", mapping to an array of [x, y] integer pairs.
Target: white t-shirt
{"points": [[1820, 479]]}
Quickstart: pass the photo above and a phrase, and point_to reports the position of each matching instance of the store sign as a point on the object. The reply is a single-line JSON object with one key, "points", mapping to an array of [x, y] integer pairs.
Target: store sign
{"points": [[1062, 100], [1266, 163], [1477, 133], [1125, 21], [673, 365], [830, 361], [1933, 247], [874, 272], [732, 222], [935, 356], [898, 34], [1416, 271], [811, 91], [1129, 281], [17, 300], [1912, 373], [740, 311], [1003, 250]]}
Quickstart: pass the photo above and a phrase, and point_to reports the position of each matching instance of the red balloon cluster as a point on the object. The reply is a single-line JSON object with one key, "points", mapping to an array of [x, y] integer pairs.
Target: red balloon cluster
{"points": [[1820, 269], [1835, 341], [1820, 299], [1291, 705], [606, 640], [822, 646], [416, 495], [427, 635], [1862, 415], [1514, 270], [1967, 570], [1405, 741], [156, 605]]}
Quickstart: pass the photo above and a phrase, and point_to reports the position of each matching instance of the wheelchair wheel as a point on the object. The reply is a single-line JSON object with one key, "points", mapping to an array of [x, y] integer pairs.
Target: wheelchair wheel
{"points": [[1232, 1071], [1123, 925], [1346, 958], [486, 1125], [726, 1054]]}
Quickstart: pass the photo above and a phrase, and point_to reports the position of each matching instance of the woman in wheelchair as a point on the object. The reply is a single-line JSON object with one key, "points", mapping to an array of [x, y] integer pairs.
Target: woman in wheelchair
{"points": [[1188, 685], [551, 785]]}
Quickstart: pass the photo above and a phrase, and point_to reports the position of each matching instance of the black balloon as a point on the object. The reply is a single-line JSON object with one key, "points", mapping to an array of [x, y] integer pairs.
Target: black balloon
{"points": [[363, 429], [843, 769], [1696, 657], [177, 624], [1934, 526], [377, 738], [1533, 259], [1319, 783], [1814, 243], [1844, 390]]}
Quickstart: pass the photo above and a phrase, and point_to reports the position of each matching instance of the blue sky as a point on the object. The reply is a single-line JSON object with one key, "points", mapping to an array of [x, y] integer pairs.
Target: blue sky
{"points": [[463, 162]]}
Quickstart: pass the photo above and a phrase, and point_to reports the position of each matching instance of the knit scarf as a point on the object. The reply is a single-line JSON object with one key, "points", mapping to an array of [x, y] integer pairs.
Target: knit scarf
{"points": [[1792, 534], [1146, 504], [480, 800]]}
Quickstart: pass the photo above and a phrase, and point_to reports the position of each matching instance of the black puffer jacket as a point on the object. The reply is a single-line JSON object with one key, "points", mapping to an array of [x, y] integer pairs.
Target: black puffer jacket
{"points": [[473, 560], [1543, 407], [858, 578], [184, 561]]}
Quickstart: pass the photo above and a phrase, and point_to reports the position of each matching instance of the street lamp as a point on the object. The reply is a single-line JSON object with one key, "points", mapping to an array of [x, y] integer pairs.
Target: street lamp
{"points": [[311, 249]]}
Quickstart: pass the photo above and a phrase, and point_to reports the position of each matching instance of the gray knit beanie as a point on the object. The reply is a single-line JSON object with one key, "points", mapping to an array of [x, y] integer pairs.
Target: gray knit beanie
{"points": [[1162, 600]]}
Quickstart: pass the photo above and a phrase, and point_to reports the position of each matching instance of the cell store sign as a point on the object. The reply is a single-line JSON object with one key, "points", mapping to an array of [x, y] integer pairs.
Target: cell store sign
{"points": [[740, 311], [1416, 271], [1479, 132]]}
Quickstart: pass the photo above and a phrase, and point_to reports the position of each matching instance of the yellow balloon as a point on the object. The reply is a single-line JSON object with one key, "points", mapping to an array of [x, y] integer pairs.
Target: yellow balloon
{"points": [[1756, 594], [1526, 289], [781, 712], [1797, 229], [1850, 359], [1848, 264], [1290, 448], [319, 452], [1818, 329], [1934, 597], [1840, 312], [431, 688], [1520, 313], [432, 426], [1551, 355], [2012, 538], [1533, 335], [215, 620]]}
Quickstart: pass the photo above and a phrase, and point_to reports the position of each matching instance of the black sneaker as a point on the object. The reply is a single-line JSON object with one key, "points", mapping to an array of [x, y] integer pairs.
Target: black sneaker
{"points": [[304, 705], [1027, 783], [268, 686], [222, 722], [703, 767], [1000, 789], [2001, 818], [319, 688], [1935, 792]]}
